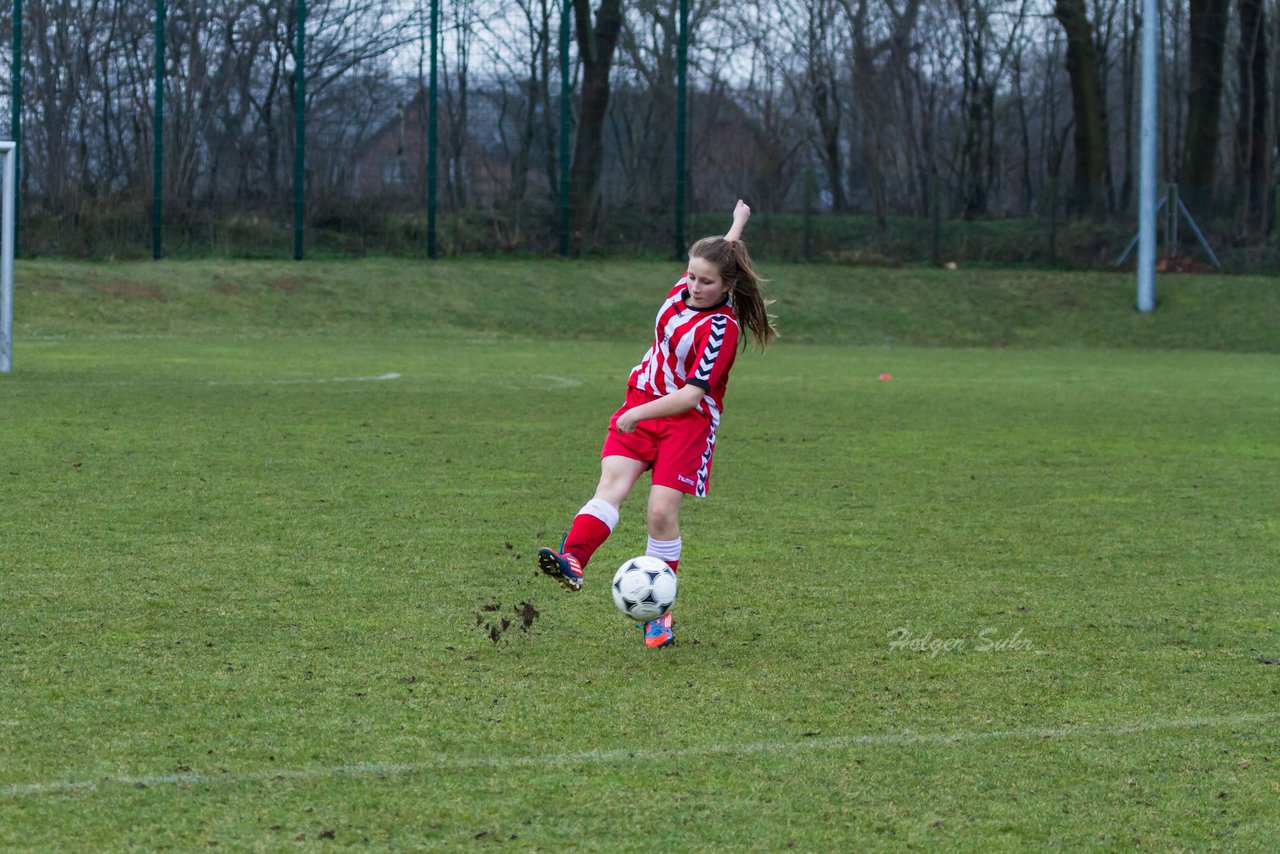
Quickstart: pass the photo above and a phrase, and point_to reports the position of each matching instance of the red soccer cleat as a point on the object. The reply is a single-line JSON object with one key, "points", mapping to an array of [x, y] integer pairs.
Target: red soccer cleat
{"points": [[562, 567]]}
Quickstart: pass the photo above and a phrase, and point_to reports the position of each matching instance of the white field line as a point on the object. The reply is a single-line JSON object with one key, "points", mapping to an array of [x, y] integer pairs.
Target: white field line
{"points": [[316, 381], [560, 382], [613, 757], [378, 379], [554, 381], [177, 381]]}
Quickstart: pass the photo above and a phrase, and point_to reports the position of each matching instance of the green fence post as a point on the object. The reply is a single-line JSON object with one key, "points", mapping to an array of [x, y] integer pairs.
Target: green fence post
{"points": [[433, 130], [935, 217], [807, 244], [15, 125], [299, 130], [1275, 221], [565, 8], [157, 148], [682, 77]]}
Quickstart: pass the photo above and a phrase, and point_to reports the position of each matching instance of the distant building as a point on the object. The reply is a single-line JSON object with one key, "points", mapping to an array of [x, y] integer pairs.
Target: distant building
{"points": [[727, 156], [474, 165]]}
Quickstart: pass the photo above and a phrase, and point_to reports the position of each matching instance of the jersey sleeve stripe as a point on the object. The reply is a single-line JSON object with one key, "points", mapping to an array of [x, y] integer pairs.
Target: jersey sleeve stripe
{"points": [[712, 351]]}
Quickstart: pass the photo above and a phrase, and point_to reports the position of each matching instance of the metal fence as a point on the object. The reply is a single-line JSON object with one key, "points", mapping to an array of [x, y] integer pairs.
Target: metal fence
{"points": [[316, 127]]}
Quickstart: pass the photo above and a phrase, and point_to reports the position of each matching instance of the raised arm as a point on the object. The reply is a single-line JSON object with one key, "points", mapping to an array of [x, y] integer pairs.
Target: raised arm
{"points": [[741, 213]]}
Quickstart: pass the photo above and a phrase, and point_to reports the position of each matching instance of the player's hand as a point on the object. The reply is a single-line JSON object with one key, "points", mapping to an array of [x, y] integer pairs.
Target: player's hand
{"points": [[741, 213], [626, 422]]}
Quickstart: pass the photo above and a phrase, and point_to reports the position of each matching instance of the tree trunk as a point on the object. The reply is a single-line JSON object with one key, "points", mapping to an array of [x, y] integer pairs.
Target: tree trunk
{"points": [[826, 112], [1087, 194], [1128, 85], [457, 93], [595, 47], [824, 98], [1208, 25], [1251, 126], [975, 184]]}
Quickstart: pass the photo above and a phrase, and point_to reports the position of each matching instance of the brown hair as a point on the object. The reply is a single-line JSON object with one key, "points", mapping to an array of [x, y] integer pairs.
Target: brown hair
{"points": [[734, 263]]}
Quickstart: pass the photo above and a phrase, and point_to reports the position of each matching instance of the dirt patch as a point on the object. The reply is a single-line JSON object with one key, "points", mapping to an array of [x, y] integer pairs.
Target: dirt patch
{"points": [[1182, 264], [286, 284], [129, 291], [41, 285], [495, 626], [527, 614]]}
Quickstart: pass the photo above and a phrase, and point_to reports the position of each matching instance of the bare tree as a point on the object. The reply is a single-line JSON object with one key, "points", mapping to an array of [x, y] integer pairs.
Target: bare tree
{"points": [[641, 122], [1208, 22], [1252, 165], [1022, 102], [60, 37], [824, 50], [1088, 193], [897, 105], [988, 31], [596, 44], [927, 84], [644, 127], [520, 88], [1129, 81], [770, 115], [877, 62]]}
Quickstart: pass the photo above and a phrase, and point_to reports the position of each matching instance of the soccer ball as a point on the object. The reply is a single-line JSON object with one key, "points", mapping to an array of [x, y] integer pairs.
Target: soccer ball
{"points": [[644, 588]]}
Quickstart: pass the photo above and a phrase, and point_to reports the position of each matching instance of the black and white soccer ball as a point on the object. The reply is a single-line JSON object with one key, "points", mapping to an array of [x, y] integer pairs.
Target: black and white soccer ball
{"points": [[644, 588]]}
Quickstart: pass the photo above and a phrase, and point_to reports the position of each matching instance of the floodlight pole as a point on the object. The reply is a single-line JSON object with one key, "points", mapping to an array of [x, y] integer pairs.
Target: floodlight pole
{"points": [[9, 150], [1147, 161]]}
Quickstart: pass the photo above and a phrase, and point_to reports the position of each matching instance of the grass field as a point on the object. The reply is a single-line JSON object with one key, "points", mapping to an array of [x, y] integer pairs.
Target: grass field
{"points": [[267, 574]]}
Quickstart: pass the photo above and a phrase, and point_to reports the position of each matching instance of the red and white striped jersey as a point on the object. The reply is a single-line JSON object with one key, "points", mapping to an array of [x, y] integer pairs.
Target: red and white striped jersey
{"points": [[691, 346]]}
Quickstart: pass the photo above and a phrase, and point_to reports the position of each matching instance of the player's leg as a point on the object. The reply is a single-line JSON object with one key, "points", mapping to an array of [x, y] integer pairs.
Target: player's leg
{"points": [[664, 524], [594, 522], [664, 544], [617, 476], [680, 468], [599, 516]]}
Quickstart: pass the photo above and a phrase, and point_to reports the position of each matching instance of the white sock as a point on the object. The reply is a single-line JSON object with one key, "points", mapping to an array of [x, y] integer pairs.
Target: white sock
{"points": [[602, 510], [668, 550]]}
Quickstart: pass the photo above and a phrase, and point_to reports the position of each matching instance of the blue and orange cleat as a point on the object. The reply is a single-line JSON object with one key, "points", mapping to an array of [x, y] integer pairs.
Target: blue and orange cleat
{"points": [[561, 566], [660, 632]]}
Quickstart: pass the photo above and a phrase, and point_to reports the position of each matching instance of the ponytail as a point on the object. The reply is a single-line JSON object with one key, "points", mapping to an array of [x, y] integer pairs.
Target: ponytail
{"points": [[745, 285]]}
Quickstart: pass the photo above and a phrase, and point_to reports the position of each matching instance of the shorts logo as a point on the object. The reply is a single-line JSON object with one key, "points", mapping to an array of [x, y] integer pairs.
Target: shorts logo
{"points": [[685, 480]]}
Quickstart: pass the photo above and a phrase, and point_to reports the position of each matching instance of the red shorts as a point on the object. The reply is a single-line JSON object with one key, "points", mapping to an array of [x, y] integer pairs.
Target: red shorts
{"points": [[678, 449]]}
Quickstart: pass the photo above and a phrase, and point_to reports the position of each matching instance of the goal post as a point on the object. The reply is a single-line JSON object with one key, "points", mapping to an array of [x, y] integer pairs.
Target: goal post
{"points": [[9, 151]]}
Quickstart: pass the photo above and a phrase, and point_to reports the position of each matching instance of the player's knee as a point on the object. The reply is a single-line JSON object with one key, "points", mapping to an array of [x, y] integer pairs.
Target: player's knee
{"points": [[664, 522]]}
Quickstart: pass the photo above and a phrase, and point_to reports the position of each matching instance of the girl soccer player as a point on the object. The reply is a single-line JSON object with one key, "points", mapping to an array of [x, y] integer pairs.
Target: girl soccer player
{"points": [[673, 404]]}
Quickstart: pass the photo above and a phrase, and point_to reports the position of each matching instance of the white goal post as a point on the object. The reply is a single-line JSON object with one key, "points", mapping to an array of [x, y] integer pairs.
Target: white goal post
{"points": [[9, 150]]}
